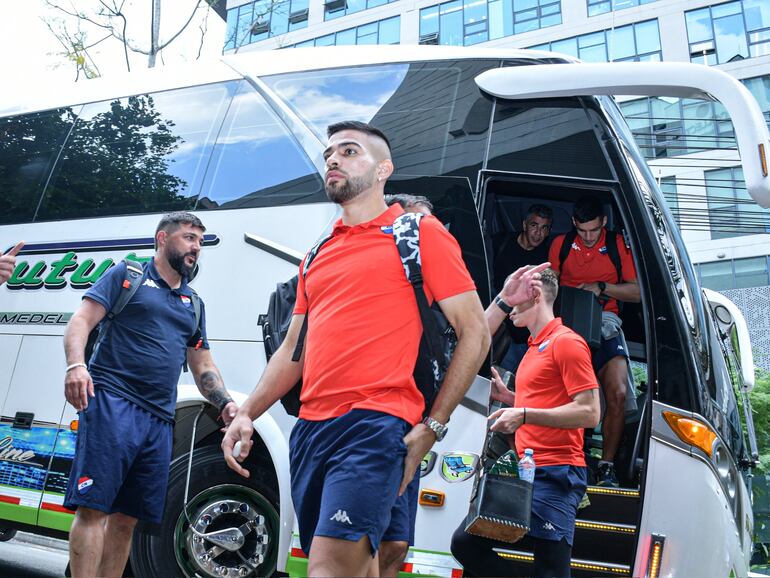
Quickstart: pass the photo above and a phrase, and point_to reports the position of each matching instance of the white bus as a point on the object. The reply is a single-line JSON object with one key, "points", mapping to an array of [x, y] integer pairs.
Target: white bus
{"points": [[86, 171]]}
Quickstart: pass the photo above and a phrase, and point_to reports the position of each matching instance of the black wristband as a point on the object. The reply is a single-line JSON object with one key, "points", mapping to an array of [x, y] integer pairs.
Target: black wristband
{"points": [[524, 420], [224, 403], [503, 305]]}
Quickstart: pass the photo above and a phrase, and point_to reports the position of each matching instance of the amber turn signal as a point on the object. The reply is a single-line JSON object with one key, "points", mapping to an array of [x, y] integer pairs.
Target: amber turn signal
{"points": [[432, 498], [691, 431]]}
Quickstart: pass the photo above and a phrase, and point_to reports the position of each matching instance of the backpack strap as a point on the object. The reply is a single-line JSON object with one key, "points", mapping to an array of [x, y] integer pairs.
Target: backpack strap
{"points": [[133, 278], [611, 242], [406, 234], [196, 304], [303, 330], [566, 245]]}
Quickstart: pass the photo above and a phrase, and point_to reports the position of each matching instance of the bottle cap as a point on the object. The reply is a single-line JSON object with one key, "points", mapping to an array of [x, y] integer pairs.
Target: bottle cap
{"points": [[529, 452]]}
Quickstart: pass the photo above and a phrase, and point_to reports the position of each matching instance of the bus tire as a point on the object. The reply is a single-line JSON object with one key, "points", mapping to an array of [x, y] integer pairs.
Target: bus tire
{"points": [[218, 499], [7, 534]]}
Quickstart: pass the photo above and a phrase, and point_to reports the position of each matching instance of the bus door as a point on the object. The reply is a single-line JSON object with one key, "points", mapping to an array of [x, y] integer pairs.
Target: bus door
{"points": [[713, 489]]}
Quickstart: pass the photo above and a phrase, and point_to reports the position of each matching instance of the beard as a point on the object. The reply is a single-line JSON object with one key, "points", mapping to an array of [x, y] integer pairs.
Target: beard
{"points": [[340, 192], [176, 260]]}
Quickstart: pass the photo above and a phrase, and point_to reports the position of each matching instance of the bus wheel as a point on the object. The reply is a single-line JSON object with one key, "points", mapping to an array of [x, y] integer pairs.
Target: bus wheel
{"points": [[219, 499], [7, 534]]}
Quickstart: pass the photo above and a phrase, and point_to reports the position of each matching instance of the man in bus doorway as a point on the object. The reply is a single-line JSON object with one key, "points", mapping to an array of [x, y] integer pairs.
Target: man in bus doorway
{"points": [[360, 435], [126, 395], [598, 260], [555, 399], [527, 247]]}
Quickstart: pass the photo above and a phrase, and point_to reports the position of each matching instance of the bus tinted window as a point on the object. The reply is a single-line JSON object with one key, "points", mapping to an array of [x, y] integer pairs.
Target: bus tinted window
{"points": [[554, 138], [141, 154], [29, 145], [257, 162], [433, 113]]}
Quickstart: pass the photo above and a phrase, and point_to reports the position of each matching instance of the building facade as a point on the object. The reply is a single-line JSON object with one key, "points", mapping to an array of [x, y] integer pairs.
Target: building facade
{"points": [[689, 144]]}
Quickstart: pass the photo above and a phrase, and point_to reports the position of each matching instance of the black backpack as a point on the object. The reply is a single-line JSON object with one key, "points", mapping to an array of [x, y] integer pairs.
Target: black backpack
{"points": [[438, 338], [135, 274]]}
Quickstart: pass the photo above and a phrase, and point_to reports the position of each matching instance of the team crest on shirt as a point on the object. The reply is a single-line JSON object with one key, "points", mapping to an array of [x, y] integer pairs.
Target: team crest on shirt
{"points": [[544, 345], [603, 250], [84, 484], [387, 229], [186, 301]]}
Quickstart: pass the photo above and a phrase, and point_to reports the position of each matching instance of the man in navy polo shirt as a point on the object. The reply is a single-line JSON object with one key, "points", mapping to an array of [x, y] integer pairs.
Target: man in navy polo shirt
{"points": [[126, 395]]}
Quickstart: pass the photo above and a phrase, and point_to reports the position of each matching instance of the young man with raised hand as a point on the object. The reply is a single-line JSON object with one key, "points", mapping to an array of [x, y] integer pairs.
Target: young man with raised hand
{"points": [[360, 435]]}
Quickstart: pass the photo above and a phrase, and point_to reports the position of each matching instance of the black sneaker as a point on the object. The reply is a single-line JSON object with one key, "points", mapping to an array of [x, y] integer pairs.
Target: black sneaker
{"points": [[605, 476]]}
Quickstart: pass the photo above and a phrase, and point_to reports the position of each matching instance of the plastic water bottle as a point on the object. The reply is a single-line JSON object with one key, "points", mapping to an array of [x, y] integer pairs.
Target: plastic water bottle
{"points": [[527, 466]]}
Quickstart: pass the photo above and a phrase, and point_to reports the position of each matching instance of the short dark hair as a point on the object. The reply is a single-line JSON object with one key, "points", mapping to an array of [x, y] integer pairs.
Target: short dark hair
{"points": [[171, 222], [406, 201], [356, 125], [587, 209], [540, 210]]}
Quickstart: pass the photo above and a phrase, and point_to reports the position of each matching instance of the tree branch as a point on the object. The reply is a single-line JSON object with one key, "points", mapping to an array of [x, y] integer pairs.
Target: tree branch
{"points": [[186, 24]]}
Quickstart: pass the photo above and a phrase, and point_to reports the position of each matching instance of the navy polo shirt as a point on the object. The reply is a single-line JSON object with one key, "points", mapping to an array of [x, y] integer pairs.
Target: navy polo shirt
{"points": [[142, 354]]}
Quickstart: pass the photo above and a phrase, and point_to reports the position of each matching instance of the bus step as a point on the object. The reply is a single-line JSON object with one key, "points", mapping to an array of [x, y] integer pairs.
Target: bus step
{"points": [[521, 565], [612, 505], [610, 542]]}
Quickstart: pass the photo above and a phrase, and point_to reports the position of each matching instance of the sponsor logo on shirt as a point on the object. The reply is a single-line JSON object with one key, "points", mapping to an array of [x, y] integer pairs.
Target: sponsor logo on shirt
{"points": [[84, 484], [150, 283], [341, 516], [544, 345], [575, 247]]}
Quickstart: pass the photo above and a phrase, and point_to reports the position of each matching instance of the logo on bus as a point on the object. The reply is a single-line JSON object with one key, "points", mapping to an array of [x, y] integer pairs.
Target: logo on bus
{"points": [[70, 269]]}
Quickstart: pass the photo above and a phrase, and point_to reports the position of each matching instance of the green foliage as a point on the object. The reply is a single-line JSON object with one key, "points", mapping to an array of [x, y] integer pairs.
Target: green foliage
{"points": [[760, 405]]}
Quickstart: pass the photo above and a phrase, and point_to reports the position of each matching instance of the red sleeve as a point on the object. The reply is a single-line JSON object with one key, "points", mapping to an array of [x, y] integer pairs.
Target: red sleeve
{"points": [[626, 260], [443, 268], [573, 358], [300, 305], [553, 252]]}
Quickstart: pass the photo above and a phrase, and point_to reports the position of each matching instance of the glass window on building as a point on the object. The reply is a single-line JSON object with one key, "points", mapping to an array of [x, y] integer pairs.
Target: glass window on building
{"points": [[751, 272], [264, 19], [638, 42], [728, 32], [760, 88], [338, 8], [386, 31], [732, 212], [667, 127], [717, 276], [596, 7], [142, 154], [468, 22]]}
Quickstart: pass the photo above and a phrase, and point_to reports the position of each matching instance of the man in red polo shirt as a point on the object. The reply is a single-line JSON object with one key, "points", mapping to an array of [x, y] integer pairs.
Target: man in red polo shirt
{"points": [[359, 438], [555, 399], [588, 266]]}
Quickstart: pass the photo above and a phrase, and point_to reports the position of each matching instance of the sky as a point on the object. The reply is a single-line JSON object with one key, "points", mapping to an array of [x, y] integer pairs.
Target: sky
{"points": [[31, 53]]}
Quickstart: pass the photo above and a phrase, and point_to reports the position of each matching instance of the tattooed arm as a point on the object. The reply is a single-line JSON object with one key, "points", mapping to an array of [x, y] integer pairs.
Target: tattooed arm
{"points": [[210, 383]]}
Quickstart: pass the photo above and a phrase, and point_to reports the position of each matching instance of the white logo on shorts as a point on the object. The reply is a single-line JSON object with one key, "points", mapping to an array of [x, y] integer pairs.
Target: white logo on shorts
{"points": [[548, 526], [341, 516]]}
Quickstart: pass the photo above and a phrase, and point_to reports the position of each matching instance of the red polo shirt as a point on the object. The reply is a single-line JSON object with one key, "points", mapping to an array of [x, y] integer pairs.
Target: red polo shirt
{"points": [[556, 367], [591, 265], [364, 326]]}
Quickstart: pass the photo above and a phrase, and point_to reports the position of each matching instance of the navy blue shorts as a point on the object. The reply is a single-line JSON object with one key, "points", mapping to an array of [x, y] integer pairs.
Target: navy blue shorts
{"points": [[555, 498], [121, 460], [609, 348], [345, 475], [404, 514]]}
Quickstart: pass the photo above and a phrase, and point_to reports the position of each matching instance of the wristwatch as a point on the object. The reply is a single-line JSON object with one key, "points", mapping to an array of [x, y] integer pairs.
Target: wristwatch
{"points": [[602, 286], [503, 305], [437, 427]]}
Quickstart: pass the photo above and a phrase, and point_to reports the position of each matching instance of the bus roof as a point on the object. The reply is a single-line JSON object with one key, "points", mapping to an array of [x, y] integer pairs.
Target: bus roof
{"points": [[40, 93]]}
